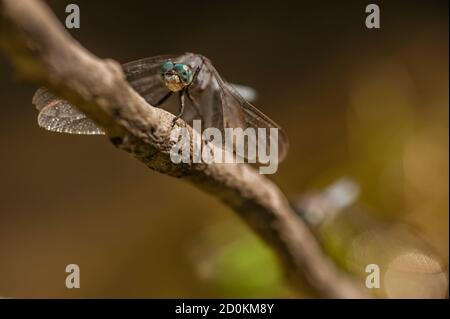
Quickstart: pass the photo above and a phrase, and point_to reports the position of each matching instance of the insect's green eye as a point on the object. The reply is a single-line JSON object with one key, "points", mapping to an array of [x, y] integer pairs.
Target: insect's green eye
{"points": [[184, 72], [167, 66]]}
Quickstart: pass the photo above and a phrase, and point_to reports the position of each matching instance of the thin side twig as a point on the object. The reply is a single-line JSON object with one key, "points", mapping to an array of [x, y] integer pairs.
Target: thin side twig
{"points": [[45, 54]]}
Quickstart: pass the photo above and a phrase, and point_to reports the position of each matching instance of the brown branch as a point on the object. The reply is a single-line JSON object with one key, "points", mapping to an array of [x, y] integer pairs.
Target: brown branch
{"points": [[45, 54]]}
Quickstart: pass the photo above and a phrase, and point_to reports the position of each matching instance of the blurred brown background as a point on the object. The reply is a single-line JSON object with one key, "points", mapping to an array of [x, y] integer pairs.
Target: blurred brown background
{"points": [[370, 104]]}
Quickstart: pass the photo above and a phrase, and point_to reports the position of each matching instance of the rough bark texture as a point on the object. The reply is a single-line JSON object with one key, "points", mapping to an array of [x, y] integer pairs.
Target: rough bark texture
{"points": [[45, 54]]}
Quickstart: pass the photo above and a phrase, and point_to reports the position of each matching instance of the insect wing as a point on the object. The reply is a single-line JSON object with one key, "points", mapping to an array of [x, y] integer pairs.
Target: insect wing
{"points": [[237, 112], [144, 76], [248, 93], [58, 115]]}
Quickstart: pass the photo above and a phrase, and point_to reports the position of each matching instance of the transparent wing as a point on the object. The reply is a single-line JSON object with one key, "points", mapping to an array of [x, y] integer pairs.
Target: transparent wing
{"points": [[248, 93], [237, 112], [144, 77], [58, 115]]}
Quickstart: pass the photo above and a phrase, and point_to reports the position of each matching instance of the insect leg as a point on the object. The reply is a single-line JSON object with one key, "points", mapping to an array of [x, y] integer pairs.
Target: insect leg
{"points": [[181, 107], [164, 99]]}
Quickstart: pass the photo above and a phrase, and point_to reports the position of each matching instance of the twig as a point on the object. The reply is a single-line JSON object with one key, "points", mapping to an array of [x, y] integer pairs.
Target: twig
{"points": [[45, 54]]}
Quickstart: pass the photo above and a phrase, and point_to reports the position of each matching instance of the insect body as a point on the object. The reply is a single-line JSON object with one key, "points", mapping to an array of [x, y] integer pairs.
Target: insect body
{"points": [[210, 99]]}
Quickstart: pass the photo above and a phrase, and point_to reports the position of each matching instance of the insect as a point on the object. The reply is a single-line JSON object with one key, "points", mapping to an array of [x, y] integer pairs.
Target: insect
{"points": [[202, 94]]}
